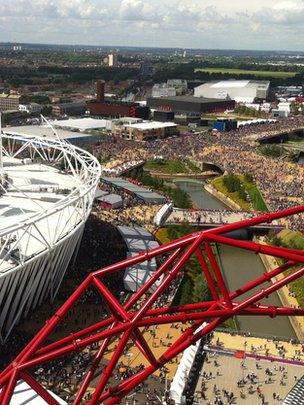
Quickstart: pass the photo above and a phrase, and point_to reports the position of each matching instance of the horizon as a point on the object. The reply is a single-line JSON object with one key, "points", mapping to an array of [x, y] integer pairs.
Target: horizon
{"points": [[12, 43]]}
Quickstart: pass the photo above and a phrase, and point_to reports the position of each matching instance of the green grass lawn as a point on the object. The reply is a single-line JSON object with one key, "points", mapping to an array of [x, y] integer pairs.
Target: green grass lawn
{"points": [[264, 73], [256, 203], [219, 186], [294, 240], [256, 198], [171, 166]]}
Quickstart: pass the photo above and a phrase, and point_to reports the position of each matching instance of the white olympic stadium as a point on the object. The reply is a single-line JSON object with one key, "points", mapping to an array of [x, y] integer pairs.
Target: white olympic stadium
{"points": [[47, 188]]}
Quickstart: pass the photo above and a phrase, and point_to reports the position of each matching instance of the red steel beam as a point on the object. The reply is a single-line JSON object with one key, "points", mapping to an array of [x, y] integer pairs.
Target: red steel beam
{"points": [[125, 321]]}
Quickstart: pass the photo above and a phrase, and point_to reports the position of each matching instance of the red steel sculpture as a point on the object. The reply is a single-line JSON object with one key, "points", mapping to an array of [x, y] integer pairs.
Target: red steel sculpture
{"points": [[127, 321]]}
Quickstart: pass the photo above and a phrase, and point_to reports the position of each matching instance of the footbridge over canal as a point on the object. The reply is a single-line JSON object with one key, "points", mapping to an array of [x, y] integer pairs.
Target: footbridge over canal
{"points": [[215, 218]]}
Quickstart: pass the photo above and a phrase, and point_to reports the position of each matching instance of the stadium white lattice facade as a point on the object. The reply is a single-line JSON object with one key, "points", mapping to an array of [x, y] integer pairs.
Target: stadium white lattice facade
{"points": [[47, 189]]}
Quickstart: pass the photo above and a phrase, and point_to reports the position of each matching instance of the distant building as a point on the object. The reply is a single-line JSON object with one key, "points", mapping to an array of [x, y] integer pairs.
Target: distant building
{"points": [[242, 91], [190, 104], [74, 108], [112, 60], [10, 102], [31, 108], [105, 108], [61, 99], [163, 116], [173, 87], [147, 130], [147, 69], [163, 90], [181, 86]]}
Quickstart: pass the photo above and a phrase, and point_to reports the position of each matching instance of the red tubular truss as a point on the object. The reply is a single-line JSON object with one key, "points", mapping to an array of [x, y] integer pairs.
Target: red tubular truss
{"points": [[126, 321]]}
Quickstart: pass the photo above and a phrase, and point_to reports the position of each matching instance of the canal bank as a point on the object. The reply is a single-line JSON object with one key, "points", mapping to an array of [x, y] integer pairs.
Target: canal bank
{"points": [[287, 300], [239, 266]]}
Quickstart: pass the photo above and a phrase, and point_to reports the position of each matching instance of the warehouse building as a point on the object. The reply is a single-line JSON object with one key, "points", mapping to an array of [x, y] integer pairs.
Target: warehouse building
{"points": [[190, 104], [242, 91]]}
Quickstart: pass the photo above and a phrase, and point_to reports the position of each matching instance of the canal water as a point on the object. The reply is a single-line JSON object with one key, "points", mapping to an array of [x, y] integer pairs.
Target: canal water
{"points": [[240, 267]]}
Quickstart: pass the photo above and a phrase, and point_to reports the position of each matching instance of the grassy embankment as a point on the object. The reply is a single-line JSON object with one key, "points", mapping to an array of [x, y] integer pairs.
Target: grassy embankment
{"points": [[258, 73], [172, 166], [294, 240], [251, 200], [193, 287]]}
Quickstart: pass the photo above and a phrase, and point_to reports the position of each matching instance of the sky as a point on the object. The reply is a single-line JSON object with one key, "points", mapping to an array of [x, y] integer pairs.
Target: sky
{"points": [[204, 24]]}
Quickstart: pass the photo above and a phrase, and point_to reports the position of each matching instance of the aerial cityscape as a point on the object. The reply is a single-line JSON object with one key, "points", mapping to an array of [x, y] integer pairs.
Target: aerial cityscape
{"points": [[152, 203]]}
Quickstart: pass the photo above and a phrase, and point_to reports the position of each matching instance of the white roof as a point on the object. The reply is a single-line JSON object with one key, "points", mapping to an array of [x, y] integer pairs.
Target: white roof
{"points": [[151, 125], [43, 132], [25, 395], [80, 123], [231, 84]]}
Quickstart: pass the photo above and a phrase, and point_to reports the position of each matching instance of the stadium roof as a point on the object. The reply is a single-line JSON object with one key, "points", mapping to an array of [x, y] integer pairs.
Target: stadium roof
{"points": [[36, 187]]}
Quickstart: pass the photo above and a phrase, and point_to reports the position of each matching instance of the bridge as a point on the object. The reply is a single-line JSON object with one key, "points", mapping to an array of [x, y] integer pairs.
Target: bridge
{"points": [[215, 218]]}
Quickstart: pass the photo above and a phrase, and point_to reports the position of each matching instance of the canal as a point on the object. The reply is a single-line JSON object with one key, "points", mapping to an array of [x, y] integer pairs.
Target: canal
{"points": [[240, 267]]}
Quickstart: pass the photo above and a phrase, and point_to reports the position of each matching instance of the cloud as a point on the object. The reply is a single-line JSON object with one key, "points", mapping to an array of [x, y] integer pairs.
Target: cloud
{"points": [[191, 23]]}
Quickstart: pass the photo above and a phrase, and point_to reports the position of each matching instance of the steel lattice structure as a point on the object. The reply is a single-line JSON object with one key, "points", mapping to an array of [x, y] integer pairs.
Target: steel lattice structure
{"points": [[126, 322], [38, 244]]}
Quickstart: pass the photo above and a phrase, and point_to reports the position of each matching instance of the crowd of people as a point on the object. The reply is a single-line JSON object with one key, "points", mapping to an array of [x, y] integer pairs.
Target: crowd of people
{"points": [[281, 182], [208, 216]]}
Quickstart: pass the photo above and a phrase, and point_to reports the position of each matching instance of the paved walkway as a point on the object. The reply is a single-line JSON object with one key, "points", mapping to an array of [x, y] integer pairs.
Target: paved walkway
{"points": [[247, 381], [259, 346]]}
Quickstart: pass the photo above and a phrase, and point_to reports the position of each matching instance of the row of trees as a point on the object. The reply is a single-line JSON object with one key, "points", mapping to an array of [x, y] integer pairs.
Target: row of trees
{"points": [[248, 111], [193, 287], [180, 198], [233, 184]]}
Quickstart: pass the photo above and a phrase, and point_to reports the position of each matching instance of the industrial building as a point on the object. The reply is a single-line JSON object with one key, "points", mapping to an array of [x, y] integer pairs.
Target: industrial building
{"points": [[73, 108], [242, 91], [144, 131], [104, 108], [190, 104]]}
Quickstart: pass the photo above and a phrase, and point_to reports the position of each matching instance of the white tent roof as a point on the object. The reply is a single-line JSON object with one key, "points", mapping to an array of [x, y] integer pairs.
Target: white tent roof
{"points": [[25, 395]]}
